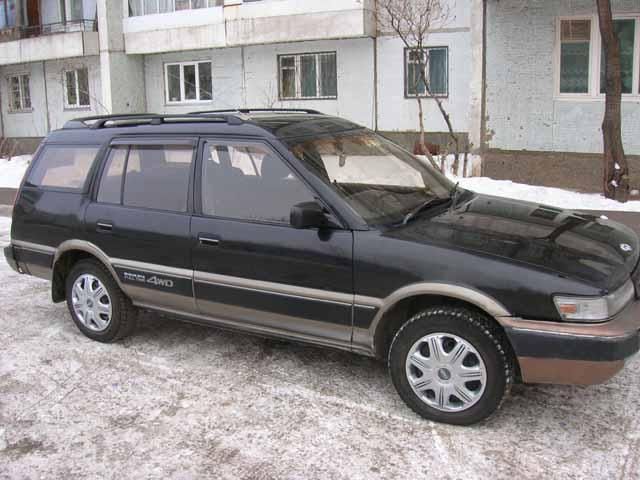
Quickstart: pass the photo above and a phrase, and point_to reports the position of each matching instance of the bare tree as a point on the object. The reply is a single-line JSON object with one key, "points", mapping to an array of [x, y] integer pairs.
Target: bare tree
{"points": [[270, 95], [616, 169], [411, 21]]}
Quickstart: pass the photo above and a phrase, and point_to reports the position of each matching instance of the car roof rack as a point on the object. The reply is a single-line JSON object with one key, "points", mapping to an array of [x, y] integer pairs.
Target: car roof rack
{"points": [[102, 121], [247, 111]]}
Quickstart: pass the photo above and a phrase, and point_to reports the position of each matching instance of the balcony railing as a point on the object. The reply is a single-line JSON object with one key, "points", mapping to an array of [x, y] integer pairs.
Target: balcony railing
{"points": [[18, 33]]}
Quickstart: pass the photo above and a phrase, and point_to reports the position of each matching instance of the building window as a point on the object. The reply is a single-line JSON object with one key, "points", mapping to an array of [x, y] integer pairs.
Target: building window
{"points": [[626, 32], [20, 93], [582, 61], [575, 46], [188, 82], [76, 88], [150, 7], [435, 61], [308, 76]]}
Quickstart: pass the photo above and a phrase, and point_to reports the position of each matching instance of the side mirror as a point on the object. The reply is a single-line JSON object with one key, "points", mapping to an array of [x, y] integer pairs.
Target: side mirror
{"points": [[307, 215]]}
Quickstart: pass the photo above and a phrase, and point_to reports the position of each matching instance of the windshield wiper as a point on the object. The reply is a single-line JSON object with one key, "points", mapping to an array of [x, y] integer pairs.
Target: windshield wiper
{"points": [[432, 202]]}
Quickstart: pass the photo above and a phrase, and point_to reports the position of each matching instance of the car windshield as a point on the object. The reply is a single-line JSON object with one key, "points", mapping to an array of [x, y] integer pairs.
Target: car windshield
{"points": [[379, 180]]}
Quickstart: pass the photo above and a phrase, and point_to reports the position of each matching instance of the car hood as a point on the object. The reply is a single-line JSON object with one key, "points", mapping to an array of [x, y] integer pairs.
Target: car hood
{"points": [[583, 247]]}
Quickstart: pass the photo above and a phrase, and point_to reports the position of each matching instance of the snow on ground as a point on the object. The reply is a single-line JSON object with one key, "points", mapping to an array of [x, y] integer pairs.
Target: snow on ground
{"points": [[12, 170], [5, 231], [555, 197]]}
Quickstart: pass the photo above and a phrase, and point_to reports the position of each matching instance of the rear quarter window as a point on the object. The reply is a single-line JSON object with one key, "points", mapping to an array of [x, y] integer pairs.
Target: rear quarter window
{"points": [[63, 166]]}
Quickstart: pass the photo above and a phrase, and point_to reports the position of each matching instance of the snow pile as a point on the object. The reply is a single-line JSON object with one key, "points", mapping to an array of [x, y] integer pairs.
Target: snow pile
{"points": [[12, 170], [473, 165], [555, 197]]}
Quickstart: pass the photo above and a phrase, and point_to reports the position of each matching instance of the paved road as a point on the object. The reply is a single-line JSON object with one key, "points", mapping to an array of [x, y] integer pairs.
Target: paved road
{"points": [[178, 401], [7, 195]]}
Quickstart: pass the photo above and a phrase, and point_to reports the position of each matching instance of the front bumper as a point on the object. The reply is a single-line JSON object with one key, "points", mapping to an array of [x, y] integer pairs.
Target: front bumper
{"points": [[574, 353], [10, 257]]}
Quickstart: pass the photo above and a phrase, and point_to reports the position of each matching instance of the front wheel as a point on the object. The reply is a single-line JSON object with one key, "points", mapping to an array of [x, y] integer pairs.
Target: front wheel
{"points": [[451, 365], [98, 307]]}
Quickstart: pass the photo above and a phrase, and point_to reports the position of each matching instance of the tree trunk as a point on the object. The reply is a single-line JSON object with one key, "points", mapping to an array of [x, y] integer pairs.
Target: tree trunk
{"points": [[616, 170], [421, 148]]}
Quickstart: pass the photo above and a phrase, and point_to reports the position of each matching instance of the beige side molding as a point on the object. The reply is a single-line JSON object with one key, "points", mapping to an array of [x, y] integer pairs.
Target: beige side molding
{"points": [[469, 295], [88, 247]]}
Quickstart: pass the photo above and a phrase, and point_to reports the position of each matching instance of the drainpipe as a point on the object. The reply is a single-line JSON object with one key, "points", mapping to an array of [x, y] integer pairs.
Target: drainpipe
{"points": [[1, 120], [375, 83], [46, 97], [483, 107], [375, 68]]}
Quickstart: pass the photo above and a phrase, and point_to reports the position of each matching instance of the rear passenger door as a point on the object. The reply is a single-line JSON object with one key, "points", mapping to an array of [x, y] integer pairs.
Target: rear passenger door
{"points": [[252, 268], [140, 219]]}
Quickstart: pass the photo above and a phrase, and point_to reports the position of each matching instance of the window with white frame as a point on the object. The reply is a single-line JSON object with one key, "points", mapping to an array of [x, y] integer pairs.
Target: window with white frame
{"points": [[308, 75], [435, 62], [188, 82], [19, 93], [581, 60], [149, 7], [76, 88]]}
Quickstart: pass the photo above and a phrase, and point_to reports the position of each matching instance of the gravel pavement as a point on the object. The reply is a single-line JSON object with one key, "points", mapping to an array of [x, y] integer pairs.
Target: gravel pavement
{"points": [[178, 401]]}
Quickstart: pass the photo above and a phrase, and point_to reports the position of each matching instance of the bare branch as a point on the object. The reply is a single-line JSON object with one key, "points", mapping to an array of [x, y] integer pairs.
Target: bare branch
{"points": [[412, 21]]}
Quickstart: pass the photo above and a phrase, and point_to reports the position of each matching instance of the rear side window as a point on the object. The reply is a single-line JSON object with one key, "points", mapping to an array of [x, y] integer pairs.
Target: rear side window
{"points": [[155, 176], [61, 166], [111, 182]]}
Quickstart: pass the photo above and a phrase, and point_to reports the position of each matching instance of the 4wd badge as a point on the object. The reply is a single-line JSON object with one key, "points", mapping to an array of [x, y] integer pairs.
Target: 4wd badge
{"points": [[153, 280]]}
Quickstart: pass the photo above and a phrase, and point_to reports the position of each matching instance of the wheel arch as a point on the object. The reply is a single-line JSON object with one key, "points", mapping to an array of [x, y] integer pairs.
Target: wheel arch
{"points": [[398, 307], [67, 255]]}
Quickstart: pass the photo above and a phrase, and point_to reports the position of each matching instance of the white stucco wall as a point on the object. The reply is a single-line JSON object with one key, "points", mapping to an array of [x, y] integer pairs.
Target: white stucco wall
{"points": [[354, 70], [397, 113], [34, 123], [226, 72], [46, 47], [55, 93], [24, 124], [523, 109], [257, 85]]}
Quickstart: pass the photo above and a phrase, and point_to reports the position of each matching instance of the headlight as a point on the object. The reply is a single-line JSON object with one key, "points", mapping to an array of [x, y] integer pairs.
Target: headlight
{"points": [[594, 309]]}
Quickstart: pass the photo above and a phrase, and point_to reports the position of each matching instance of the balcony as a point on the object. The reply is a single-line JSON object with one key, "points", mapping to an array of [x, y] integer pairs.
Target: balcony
{"points": [[259, 22], [33, 43], [237, 23]]}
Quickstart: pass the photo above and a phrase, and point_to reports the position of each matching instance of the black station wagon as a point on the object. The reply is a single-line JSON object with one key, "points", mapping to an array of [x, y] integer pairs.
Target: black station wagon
{"points": [[308, 227]]}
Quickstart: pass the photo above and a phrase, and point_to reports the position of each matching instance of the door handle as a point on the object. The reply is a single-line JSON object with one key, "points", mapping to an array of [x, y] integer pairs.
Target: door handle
{"points": [[104, 227], [208, 241]]}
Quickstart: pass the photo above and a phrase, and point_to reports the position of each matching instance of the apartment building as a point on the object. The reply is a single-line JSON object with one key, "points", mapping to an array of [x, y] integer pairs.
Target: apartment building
{"points": [[64, 58], [521, 80]]}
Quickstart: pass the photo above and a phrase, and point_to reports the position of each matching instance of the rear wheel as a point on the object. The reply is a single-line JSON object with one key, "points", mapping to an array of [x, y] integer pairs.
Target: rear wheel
{"points": [[97, 305], [451, 365]]}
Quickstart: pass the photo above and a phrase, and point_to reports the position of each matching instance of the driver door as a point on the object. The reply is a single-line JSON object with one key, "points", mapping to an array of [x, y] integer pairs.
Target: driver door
{"points": [[252, 269]]}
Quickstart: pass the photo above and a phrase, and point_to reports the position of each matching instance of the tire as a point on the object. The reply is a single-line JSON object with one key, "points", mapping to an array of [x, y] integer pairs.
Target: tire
{"points": [[455, 385], [104, 317]]}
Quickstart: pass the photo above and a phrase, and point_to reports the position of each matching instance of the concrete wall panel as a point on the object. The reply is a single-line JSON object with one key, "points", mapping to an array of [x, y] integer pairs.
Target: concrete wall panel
{"points": [[523, 109]]}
